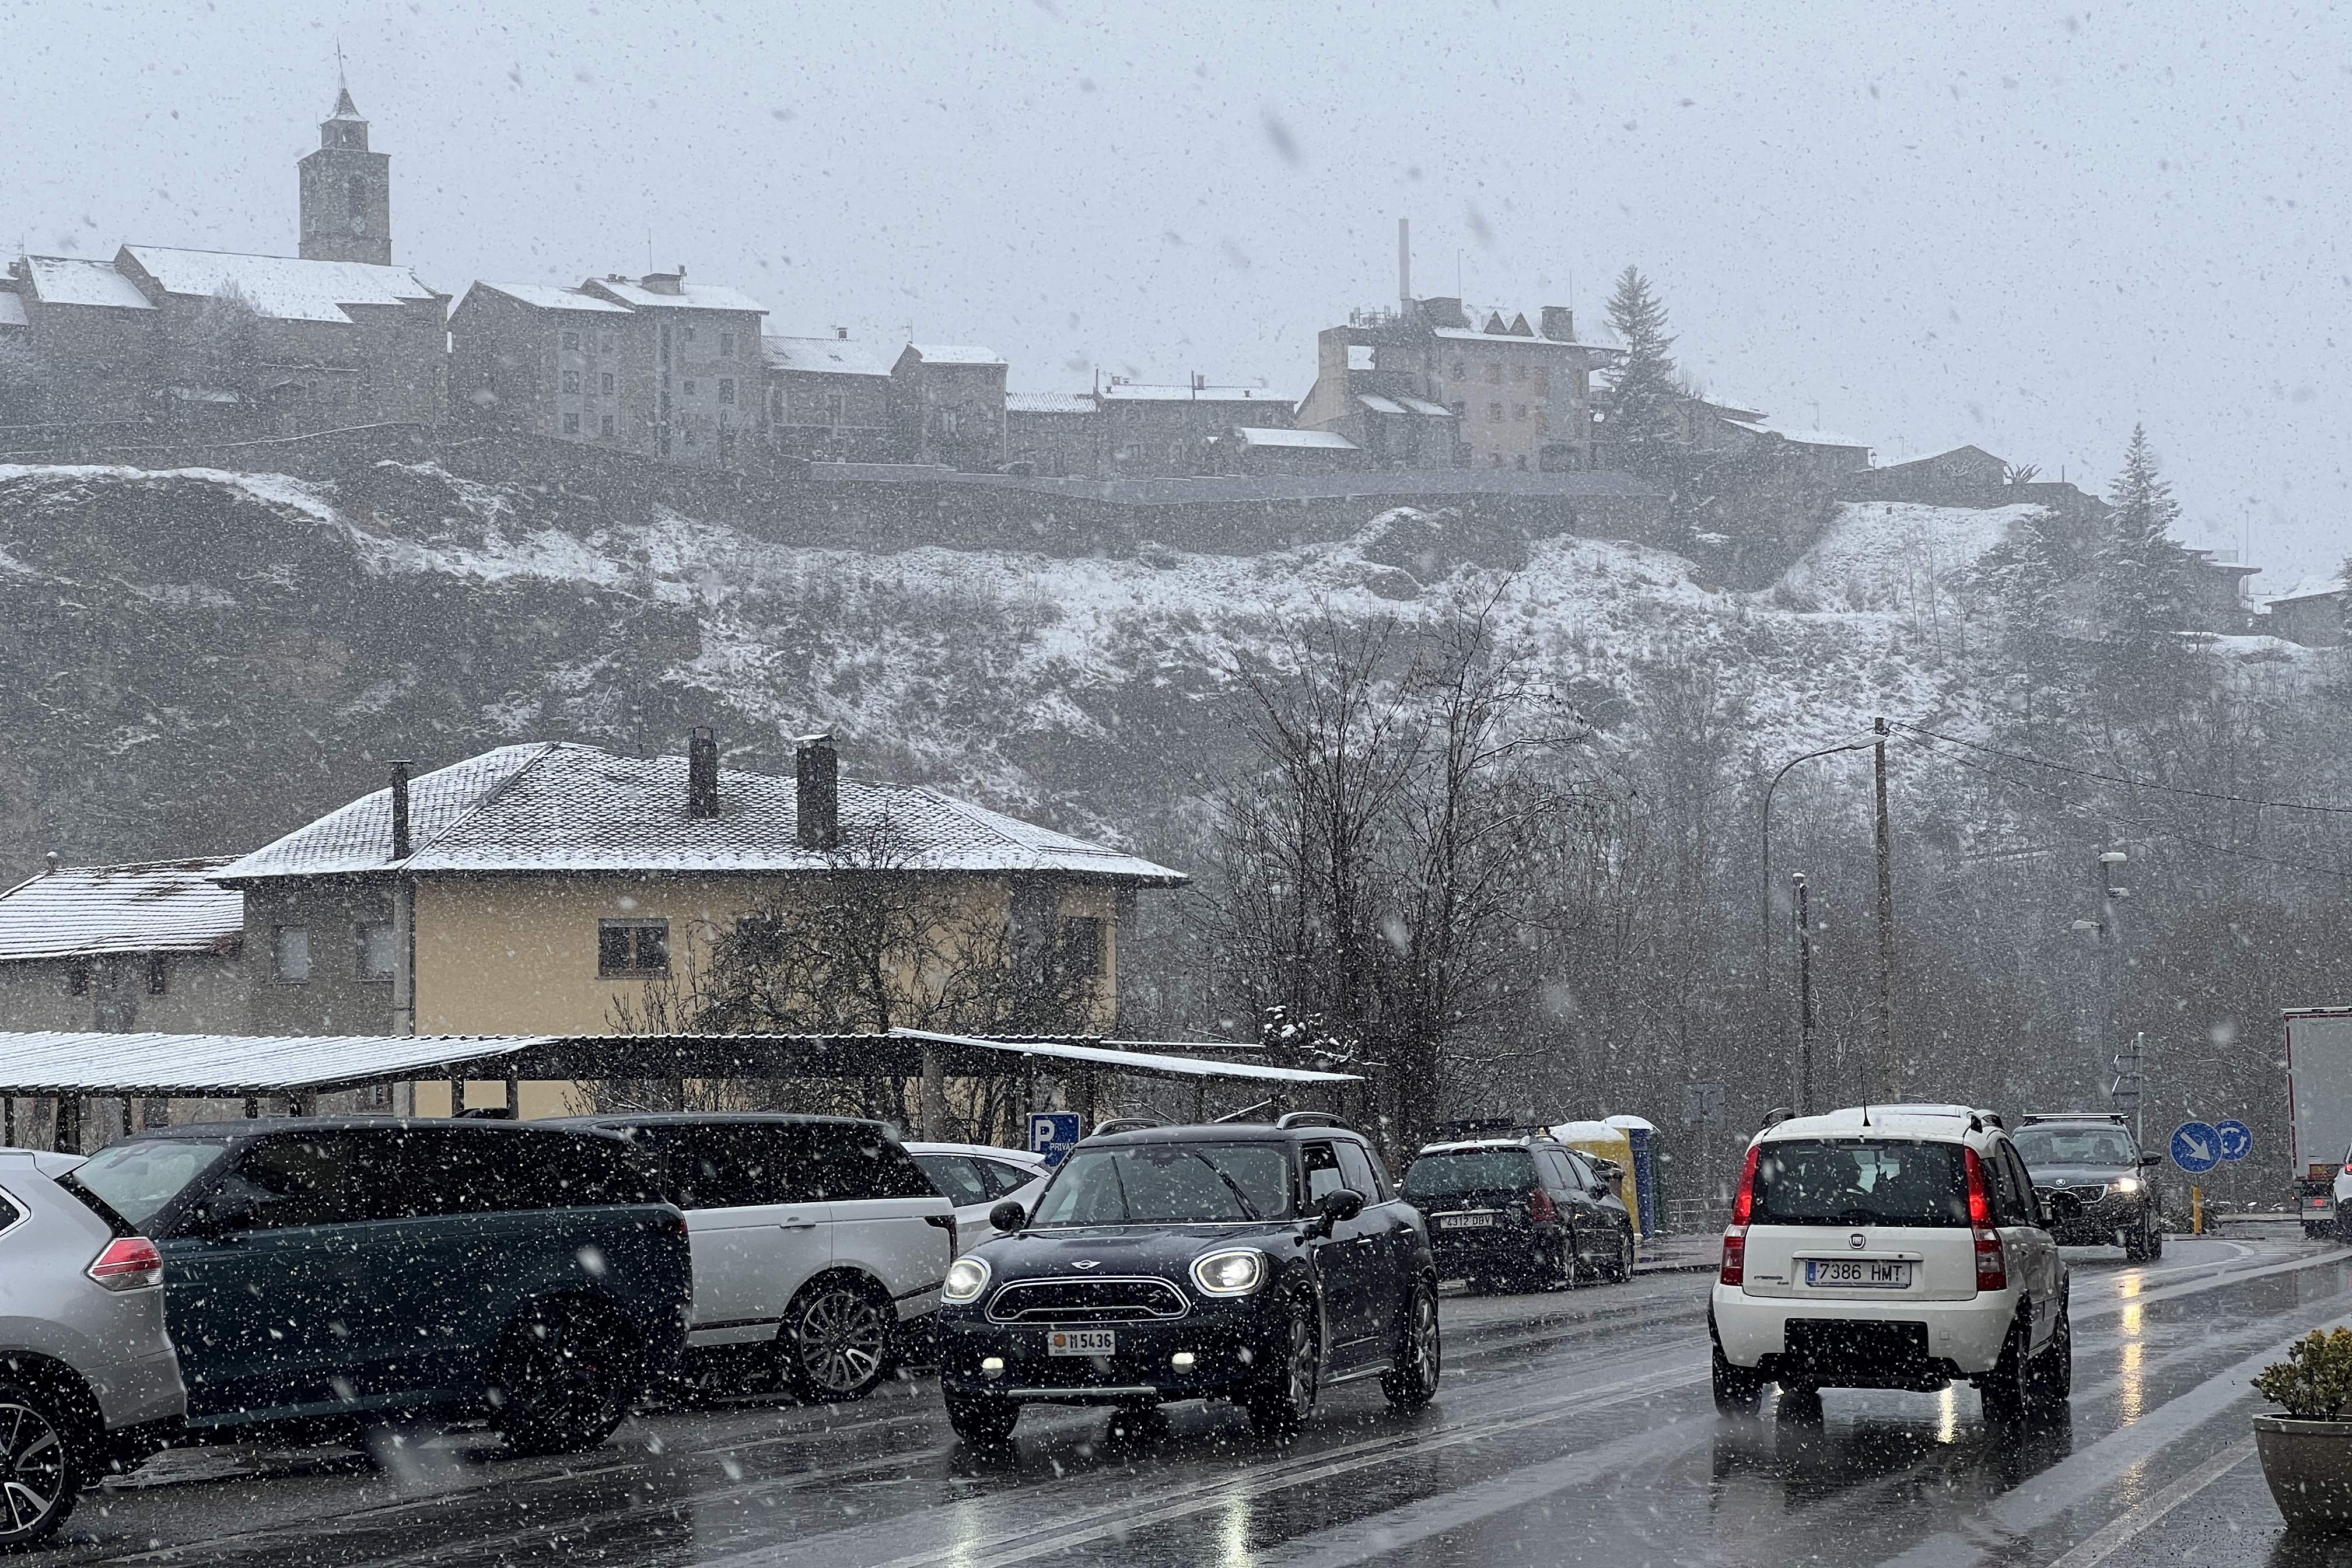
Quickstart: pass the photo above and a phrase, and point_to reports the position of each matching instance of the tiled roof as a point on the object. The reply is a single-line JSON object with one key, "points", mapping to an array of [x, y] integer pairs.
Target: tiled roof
{"points": [[559, 806], [547, 297], [1133, 392], [689, 297], [954, 353], [164, 906], [281, 288], [822, 356], [72, 280], [1322, 440], [1049, 402]]}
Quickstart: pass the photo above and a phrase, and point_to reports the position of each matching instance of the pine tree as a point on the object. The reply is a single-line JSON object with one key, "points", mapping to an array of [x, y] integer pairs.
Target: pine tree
{"points": [[2145, 588], [1639, 420]]}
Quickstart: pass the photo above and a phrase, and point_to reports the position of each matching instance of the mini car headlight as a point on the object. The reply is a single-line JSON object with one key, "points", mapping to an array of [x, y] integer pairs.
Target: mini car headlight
{"points": [[2126, 1183], [1235, 1273], [966, 1280]]}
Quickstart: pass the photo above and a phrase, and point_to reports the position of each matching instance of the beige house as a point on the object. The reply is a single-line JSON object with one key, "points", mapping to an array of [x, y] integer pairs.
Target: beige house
{"points": [[560, 888]]}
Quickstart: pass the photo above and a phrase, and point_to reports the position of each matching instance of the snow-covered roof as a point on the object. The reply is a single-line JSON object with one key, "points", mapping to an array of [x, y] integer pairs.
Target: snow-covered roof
{"points": [[1378, 404], [280, 288], [1423, 406], [162, 906], [560, 806], [64, 1061], [822, 356], [1322, 440], [2307, 588], [1812, 438], [11, 309], [73, 280], [954, 353], [1472, 335], [548, 297], [1135, 392], [689, 296], [1879, 1121], [1049, 402]]}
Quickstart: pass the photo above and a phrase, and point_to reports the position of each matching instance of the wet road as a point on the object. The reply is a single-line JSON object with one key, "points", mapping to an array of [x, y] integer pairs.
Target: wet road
{"points": [[1569, 1428]]}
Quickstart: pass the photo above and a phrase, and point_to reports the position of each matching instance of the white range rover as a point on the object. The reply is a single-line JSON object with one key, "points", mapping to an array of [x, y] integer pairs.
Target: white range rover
{"points": [[1891, 1246]]}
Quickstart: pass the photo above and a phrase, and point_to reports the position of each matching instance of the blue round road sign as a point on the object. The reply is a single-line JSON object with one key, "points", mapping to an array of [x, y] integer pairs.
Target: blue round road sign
{"points": [[2237, 1139], [2196, 1147]]}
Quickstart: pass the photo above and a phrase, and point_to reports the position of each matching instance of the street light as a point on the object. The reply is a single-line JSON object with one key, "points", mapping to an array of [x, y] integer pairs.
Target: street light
{"points": [[1764, 928]]}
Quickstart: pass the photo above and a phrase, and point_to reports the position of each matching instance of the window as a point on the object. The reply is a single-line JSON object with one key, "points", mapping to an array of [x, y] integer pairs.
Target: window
{"points": [[572, 424], [632, 947], [1519, 411], [1851, 1181], [289, 954], [726, 389], [1356, 1172], [957, 1178], [689, 335], [1543, 419], [606, 380], [315, 1179], [689, 389], [78, 978], [722, 1165], [571, 383], [727, 445], [665, 343], [572, 342], [1458, 372], [860, 1163], [159, 975], [1320, 1163], [832, 408], [1082, 946], [606, 343], [1494, 410], [1359, 356], [726, 345], [690, 435], [356, 194], [605, 425], [376, 952], [2013, 1196], [1461, 410], [1494, 371], [1002, 1176]]}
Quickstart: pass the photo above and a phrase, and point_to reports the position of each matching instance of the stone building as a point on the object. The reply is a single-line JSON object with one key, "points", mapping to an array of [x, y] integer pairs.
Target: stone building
{"points": [[346, 192], [1170, 431], [828, 399], [947, 407], [1056, 435], [656, 365], [1420, 387]]}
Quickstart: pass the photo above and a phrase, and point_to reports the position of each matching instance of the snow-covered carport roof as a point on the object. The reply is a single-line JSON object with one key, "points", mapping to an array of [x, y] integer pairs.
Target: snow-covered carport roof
{"points": [[67, 1062]]}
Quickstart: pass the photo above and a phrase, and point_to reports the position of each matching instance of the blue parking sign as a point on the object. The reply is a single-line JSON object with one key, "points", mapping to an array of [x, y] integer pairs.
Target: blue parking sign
{"points": [[2196, 1147], [2237, 1139], [1053, 1133]]}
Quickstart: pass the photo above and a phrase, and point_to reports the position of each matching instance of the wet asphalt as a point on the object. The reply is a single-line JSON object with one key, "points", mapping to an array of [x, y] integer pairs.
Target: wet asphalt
{"points": [[1571, 1428]]}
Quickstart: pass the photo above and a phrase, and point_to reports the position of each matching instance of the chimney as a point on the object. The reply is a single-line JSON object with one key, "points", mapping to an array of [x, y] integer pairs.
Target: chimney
{"points": [[1559, 323], [661, 283], [841, 333], [819, 769], [701, 772], [1404, 264], [400, 809]]}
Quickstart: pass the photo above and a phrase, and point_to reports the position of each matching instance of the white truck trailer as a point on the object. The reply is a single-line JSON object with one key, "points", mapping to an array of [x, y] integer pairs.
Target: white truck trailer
{"points": [[2319, 1109]]}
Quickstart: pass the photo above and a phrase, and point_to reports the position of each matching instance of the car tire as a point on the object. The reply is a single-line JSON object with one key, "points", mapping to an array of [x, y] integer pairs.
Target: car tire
{"points": [[2136, 1242], [2007, 1389], [563, 1378], [2154, 1236], [1564, 1269], [837, 1343], [1411, 1381], [1737, 1389], [43, 1466], [1620, 1268], [1280, 1405], [2050, 1382], [979, 1419]]}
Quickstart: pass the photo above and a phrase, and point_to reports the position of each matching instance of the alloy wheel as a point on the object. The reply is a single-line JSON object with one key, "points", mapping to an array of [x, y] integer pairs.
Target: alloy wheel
{"points": [[1425, 1347], [842, 1341], [33, 1477]]}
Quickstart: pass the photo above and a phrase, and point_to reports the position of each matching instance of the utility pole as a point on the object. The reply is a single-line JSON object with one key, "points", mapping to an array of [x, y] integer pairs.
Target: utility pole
{"points": [[1804, 1087], [1896, 1074]]}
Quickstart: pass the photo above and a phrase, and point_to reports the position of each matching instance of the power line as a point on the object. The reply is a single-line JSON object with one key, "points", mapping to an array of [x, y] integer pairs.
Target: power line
{"points": [[2123, 779]]}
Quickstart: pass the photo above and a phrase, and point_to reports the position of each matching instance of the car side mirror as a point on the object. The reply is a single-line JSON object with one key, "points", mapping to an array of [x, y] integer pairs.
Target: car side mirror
{"points": [[2151, 1159], [1339, 1204], [1008, 1217], [222, 1216]]}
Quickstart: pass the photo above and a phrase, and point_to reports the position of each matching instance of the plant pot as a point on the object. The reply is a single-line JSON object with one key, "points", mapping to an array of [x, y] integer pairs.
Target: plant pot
{"points": [[2309, 1466]]}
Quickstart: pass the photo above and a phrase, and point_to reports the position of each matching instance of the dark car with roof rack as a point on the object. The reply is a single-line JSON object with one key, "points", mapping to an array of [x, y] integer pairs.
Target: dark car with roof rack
{"points": [[1250, 1263], [1521, 1206]]}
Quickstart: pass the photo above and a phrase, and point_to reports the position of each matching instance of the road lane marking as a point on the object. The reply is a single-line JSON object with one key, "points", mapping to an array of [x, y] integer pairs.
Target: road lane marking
{"points": [[2121, 1531]]}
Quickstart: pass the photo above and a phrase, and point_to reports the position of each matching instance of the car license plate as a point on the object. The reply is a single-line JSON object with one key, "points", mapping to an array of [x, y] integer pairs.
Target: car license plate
{"points": [[1858, 1273], [1465, 1221], [1082, 1341]]}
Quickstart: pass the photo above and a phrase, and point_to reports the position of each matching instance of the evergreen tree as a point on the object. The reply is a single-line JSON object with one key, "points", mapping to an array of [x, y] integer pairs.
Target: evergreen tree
{"points": [[1639, 421], [2145, 587]]}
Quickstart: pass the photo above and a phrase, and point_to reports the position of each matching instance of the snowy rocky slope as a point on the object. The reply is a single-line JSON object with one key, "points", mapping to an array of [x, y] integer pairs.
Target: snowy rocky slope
{"points": [[197, 660]]}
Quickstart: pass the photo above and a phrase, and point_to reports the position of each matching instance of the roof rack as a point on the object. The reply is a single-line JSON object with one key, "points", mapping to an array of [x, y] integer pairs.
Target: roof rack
{"points": [[1311, 1119], [1127, 1125], [2031, 1116]]}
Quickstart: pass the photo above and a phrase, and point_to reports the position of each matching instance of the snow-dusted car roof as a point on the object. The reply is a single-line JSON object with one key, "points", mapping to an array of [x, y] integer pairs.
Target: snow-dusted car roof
{"points": [[562, 806], [162, 906]]}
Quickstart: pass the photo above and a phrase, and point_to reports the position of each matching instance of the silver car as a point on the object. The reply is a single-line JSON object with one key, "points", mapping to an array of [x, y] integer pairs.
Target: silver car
{"points": [[89, 1381]]}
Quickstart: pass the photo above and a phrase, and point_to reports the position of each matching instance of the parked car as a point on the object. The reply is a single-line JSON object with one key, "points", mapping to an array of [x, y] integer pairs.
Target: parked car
{"points": [[818, 1241], [1891, 1246], [1524, 1208], [89, 1383], [2090, 1173], [1250, 1263], [976, 1177], [328, 1273]]}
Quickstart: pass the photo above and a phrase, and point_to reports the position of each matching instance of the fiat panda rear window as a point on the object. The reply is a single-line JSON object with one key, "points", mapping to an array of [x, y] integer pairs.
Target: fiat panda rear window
{"points": [[1803, 1181]]}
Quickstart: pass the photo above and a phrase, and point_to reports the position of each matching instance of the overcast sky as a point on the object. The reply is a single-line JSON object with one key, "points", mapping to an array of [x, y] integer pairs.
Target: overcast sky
{"points": [[1990, 223]]}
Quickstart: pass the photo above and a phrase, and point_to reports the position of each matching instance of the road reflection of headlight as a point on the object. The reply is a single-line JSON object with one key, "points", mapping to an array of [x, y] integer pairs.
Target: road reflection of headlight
{"points": [[1235, 1273], [966, 1280]]}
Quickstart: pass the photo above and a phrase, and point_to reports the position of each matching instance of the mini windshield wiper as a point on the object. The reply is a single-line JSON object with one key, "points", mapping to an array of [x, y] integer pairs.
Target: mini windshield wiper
{"points": [[1249, 1210]]}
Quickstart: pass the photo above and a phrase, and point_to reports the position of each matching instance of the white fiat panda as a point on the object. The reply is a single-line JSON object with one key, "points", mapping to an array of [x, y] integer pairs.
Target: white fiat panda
{"points": [[1891, 1246]]}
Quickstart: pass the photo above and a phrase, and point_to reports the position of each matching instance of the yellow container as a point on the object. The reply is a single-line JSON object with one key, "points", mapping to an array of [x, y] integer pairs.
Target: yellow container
{"points": [[1608, 1143]]}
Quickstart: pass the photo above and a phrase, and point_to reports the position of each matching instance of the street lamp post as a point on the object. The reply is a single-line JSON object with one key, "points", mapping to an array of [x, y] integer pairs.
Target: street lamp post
{"points": [[1764, 926]]}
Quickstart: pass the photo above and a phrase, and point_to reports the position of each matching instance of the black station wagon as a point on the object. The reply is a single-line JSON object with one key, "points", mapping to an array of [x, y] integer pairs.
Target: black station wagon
{"points": [[1250, 1263]]}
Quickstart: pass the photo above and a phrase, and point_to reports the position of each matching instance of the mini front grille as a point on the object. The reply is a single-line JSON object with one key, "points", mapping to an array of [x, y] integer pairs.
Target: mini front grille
{"points": [[1113, 1301]]}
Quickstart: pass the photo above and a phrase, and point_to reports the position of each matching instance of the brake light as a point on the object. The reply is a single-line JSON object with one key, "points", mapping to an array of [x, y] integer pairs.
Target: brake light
{"points": [[1540, 1207], [1734, 1270], [128, 1263], [1979, 1196], [1993, 1261], [2348, 1167]]}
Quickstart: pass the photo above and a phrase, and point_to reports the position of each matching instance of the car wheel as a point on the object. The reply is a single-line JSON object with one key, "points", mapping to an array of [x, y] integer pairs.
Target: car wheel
{"points": [[2136, 1242], [2050, 1382], [977, 1418], [1286, 1399], [563, 1378], [41, 1467], [1566, 1268], [1411, 1381], [2005, 1389], [2155, 1235], [836, 1342], [1737, 1388], [1620, 1268]]}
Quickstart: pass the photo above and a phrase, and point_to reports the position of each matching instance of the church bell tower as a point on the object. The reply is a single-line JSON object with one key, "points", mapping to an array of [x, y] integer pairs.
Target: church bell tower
{"points": [[346, 192]]}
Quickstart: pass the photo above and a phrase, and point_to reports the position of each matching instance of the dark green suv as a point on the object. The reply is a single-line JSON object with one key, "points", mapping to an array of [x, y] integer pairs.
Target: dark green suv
{"points": [[327, 1274]]}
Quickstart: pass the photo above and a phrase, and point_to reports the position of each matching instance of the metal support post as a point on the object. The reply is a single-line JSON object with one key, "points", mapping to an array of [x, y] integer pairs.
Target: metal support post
{"points": [[1804, 1084], [1896, 1076]]}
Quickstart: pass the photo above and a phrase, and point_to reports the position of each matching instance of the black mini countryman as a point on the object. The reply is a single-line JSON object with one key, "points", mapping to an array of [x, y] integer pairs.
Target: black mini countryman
{"points": [[1250, 1263]]}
